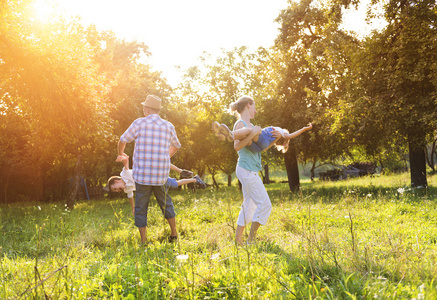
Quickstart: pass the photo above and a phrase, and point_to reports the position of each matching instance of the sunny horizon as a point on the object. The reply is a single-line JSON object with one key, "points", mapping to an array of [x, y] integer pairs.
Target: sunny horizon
{"points": [[179, 36]]}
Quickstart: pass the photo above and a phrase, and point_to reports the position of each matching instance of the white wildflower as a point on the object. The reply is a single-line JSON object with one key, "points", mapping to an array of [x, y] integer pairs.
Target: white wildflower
{"points": [[401, 190], [215, 256], [182, 257], [420, 296]]}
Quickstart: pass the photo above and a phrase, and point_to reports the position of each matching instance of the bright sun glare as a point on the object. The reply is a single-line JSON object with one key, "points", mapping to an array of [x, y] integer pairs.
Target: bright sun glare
{"points": [[44, 9], [179, 36]]}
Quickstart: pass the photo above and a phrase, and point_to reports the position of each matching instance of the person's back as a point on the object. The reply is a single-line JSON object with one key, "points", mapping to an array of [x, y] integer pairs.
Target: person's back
{"points": [[155, 142], [153, 137]]}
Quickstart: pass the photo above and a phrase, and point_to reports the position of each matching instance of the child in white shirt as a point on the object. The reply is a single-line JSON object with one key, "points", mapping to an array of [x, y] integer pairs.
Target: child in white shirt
{"points": [[126, 183]]}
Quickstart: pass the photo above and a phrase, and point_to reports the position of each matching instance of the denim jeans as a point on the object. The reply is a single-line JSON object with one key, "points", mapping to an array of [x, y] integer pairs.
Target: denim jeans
{"points": [[142, 197]]}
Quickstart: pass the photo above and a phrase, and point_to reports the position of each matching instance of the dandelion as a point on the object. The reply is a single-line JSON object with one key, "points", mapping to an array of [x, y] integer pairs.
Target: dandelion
{"points": [[401, 190], [140, 284], [182, 257]]}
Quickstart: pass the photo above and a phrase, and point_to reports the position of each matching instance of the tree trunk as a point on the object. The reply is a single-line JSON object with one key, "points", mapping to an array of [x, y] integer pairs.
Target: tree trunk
{"points": [[417, 162], [214, 182], [267, 175], [292, 168], [427, 158], [229, 179], [313, 168], [76, 183], [433, 152]]}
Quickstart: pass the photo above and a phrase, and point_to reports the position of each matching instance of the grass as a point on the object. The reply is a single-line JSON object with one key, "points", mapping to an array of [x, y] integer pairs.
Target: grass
{"points": [[354, 239]]}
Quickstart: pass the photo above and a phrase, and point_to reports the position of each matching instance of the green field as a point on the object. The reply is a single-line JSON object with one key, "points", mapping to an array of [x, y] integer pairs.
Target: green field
{"points": [[366, 238]]}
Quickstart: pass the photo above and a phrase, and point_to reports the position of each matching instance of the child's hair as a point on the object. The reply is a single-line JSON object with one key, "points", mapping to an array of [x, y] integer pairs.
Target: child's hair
{"points": [[111, 181], [239, 105], [282, 144]]}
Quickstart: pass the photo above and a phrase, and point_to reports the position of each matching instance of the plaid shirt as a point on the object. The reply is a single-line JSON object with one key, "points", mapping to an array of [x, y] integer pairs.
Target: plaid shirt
{"points": [[153, 137]]}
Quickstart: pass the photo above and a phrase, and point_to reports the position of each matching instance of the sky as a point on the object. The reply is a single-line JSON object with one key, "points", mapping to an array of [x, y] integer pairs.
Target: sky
{"points": [[177, 32]]}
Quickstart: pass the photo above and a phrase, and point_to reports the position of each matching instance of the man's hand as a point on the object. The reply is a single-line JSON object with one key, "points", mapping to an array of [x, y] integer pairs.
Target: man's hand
{"points": [[122, 158]]}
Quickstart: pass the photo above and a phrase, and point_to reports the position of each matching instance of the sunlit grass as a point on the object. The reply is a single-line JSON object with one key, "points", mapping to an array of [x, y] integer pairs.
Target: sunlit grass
{"points": [[359, 238]]}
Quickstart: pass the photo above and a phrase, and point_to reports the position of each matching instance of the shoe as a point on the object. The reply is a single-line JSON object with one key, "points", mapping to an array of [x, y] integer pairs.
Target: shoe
{"points": [[226, 132], [186, 174], [172, 239], [200, 182], [217, 132]]}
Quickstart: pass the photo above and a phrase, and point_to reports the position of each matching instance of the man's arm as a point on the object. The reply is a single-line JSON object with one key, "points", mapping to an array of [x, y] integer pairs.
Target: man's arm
{"points": [[172, 150], [120, 148]]}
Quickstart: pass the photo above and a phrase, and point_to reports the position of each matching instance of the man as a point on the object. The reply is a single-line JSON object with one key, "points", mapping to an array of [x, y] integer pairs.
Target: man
{"points": [[155, 142]]}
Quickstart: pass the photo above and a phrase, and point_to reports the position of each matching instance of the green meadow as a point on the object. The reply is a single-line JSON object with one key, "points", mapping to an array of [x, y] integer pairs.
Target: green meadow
{"points": [[364, 238]]}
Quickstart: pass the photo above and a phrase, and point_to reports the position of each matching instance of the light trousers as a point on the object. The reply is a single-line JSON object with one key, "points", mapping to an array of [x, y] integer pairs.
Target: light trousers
{"points": [[256, 205]]}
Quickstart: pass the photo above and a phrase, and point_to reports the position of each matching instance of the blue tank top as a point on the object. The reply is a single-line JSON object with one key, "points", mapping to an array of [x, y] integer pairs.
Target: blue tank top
{"points": [[247, 159]]}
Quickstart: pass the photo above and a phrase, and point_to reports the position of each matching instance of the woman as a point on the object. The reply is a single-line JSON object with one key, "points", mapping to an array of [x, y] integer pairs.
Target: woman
{"points": [[256, 205]]}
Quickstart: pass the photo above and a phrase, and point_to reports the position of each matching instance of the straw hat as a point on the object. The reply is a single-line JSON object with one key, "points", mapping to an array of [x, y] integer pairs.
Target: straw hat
{"points": [[152, 101]]}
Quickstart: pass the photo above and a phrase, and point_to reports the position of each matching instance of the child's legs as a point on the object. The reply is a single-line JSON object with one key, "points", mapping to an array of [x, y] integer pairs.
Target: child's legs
{"points": [[185, 181]]}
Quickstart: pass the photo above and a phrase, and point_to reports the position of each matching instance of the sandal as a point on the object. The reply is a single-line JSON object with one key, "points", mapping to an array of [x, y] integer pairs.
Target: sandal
{"points": [[200, 182], [227, 133], [217, 132]]}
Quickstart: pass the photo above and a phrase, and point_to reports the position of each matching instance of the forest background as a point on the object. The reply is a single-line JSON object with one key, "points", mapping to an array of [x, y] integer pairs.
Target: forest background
{"points": [[67, 92]]}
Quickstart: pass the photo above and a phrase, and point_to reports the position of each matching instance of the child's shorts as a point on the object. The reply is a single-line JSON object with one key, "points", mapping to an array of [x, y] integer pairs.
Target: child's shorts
{"points": [[264, 140], [171, 183]]}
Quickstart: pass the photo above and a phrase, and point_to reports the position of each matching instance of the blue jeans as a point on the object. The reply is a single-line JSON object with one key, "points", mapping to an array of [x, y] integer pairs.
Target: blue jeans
{"points": [[142, 197]]}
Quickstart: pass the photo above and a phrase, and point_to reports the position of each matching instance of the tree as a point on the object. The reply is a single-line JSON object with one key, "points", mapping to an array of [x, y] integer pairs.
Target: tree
{"points": [[310, 54], [65, 86], [207, 91], [392, 89]]}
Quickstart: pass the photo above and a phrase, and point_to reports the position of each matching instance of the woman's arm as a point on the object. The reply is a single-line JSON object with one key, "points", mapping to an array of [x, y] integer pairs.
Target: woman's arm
{"points": [[240, 144]]}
